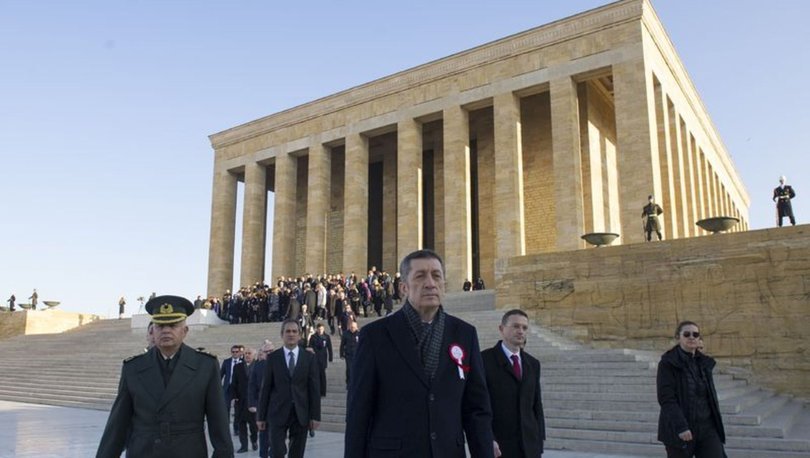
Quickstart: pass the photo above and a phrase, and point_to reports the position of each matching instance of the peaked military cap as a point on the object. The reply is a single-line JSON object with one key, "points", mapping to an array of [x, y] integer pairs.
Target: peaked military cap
{"points": [[169, 309]]}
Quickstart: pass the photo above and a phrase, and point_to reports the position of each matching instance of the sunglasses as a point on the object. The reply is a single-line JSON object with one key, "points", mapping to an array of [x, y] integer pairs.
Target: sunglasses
{"points": [[688, 334]]}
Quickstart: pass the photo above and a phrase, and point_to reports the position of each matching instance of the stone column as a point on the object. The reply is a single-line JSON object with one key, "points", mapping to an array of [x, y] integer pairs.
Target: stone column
{"points": [[457, 222], [637, 143], [510, 236], [254, 217], [223, 233], [319, 185], [667, 199], [389, 214], [355, 198], [567, 164], [409, 188], [286, 182]]}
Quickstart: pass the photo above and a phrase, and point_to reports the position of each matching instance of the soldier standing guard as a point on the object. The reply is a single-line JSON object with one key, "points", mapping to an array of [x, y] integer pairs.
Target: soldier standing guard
{"points": [[166, 394], [650, 215], [782, 196]]}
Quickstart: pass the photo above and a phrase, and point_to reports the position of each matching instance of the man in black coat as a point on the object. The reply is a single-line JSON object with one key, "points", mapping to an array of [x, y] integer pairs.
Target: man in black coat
{"points": [[348, 348], [782, 195], [254, 392], [513, 379], [321, 344], [649, 215], [226, 374], [167, 394], [417, 384], [245, 419], [689, 423], [290, 401]]}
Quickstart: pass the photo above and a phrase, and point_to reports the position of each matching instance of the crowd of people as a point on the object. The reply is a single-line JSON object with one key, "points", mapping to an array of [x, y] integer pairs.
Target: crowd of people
{"points": [[309, 299], [394, 370]]}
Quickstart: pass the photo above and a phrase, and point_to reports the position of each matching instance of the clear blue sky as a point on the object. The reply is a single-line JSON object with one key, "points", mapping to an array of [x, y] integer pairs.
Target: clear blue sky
{"points": [[106, 107]]}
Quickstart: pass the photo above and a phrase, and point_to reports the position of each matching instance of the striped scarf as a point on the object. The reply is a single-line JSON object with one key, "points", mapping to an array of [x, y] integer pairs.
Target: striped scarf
{"points": [[428, 337]]}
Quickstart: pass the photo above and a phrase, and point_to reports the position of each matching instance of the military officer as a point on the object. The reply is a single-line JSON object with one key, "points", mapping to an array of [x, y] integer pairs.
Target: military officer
{"points": [[782, 196], [166, 394], [650, 214]]}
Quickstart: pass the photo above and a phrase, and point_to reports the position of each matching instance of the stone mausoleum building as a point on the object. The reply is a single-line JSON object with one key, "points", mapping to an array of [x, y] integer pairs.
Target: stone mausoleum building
{"points": [[515, 147]]}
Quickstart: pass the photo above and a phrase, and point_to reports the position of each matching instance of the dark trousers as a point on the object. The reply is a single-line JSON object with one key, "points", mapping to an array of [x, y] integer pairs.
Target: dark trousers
{"points": [[228, 402], [264, 443], [705, 444], [783, 210], [297, 434], [349, 359], [244, 424]]}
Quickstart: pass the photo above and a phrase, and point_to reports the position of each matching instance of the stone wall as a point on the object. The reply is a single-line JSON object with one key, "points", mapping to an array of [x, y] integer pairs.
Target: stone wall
{"points": [[748, 291], [24, 322]]}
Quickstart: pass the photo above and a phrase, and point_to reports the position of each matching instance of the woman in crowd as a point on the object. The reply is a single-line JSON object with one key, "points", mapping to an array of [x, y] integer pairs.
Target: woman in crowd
{"points": [[689, 424]]}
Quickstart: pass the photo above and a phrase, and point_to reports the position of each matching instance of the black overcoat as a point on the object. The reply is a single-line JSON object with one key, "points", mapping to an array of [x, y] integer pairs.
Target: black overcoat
{"points": [[395, 410], [677, 414]]}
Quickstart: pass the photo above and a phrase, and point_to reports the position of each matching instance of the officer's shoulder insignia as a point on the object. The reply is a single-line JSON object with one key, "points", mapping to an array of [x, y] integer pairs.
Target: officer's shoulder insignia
{"points": [[203, 352], [134, 357]]}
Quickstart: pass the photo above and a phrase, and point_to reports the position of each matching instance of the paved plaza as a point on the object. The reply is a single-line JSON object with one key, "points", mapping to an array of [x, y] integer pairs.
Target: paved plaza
{"points": [[33, 430]]}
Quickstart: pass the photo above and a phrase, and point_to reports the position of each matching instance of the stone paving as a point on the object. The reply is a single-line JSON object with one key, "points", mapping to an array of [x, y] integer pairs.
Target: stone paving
{"points": [[33, 430]]}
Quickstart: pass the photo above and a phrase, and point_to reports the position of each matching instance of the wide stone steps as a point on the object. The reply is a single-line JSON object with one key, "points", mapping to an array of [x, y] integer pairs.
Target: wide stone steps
{"points": [[595, 400]]}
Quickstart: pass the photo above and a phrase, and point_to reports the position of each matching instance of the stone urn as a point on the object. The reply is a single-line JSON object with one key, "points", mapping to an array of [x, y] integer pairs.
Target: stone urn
{"points": [[718, 223], [25, 306], [598, 239], [51, 304]]}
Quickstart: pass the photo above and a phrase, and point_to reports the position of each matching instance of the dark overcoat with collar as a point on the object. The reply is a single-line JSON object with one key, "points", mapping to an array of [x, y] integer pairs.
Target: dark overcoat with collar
{"points": [[151, 420], [677, 414], [394, 410], [517, 406], [280, 391]]}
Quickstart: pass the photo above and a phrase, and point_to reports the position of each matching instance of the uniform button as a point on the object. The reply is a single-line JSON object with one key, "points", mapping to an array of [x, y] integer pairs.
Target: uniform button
{"points": [[433, 436], [431, 397]]}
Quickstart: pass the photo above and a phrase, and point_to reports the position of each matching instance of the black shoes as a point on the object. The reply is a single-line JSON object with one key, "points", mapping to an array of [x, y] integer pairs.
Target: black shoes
{"points": [[242, 450], [255, 446]]}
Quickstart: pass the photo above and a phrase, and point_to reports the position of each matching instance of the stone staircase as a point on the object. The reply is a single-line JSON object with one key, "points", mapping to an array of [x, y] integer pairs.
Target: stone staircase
{"points": [[595, 400]]}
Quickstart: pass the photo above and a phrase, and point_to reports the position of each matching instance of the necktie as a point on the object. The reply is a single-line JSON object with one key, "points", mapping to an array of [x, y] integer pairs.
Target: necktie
{"points": [[516, 366], [291, 364]]}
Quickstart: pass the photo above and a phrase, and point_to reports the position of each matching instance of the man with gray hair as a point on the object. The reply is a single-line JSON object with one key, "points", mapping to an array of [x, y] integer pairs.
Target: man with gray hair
{"points": [[417, 384]]}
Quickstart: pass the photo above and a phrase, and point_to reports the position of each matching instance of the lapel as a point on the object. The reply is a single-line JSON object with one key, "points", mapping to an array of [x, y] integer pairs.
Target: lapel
{"points": [[506, 364], [183, 373], [450, 327], [149, 374], [400, 334]]}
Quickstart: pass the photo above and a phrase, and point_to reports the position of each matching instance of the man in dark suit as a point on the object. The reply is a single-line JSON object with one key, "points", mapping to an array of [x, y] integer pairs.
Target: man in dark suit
{"points": [[239, 392], [166, 394], [254, 392], [321, 344], [226, 374], [417, 384], [513, 379], [290, 401]]}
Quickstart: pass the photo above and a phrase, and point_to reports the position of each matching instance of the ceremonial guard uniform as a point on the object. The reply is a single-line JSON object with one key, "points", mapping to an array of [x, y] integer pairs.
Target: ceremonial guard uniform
{"points": [[782, 196], [650, 213], [164, 402]]}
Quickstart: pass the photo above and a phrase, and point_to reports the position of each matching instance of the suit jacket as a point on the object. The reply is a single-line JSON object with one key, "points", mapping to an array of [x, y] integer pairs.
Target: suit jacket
{"points": [[255, 383], [395, 410], [225, 374], [323, 348], [153, 420], [239, 390], [517, 408], [280, 391]]}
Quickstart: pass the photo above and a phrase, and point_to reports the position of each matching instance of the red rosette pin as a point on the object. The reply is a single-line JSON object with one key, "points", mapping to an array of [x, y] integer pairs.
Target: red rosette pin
{"points": [[457, 355]]}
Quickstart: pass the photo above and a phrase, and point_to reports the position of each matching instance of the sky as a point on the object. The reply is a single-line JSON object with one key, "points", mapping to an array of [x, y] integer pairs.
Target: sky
{"points": [[106, 107]]}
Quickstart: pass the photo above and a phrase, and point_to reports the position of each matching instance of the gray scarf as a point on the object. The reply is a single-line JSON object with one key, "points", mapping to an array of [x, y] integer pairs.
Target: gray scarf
{"points": [[428, 337]]}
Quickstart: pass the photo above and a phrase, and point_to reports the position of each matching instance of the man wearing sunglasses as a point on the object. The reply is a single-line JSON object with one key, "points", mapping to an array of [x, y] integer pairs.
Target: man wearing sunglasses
{"points": [[689, 423]]}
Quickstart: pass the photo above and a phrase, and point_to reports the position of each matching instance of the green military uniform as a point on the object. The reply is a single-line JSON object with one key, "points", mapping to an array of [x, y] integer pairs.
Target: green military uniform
{"points": [[162, 404]]}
